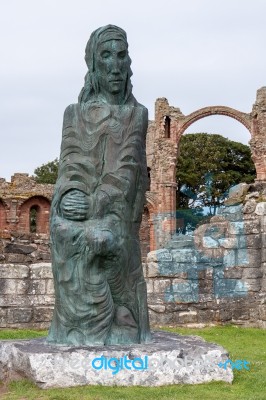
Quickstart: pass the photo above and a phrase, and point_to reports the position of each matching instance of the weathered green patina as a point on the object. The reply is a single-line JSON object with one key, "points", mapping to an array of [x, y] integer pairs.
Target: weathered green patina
{"points": [[97, 206]]}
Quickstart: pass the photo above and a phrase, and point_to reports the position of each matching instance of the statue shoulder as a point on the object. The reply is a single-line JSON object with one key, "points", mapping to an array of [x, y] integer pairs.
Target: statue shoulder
{"points": [[70, 115], [143, 111]]}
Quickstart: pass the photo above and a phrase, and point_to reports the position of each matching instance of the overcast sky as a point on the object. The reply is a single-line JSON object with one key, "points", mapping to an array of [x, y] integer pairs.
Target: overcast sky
{"points": [[196, 53]]}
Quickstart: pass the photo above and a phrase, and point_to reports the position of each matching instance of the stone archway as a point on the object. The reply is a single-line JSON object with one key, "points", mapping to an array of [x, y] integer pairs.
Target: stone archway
{"points": [[241, 117], [162, 150]]}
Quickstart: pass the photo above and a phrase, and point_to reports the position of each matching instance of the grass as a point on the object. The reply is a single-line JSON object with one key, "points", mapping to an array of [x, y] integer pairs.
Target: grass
{"points": [[242, 343], [20, 334]]}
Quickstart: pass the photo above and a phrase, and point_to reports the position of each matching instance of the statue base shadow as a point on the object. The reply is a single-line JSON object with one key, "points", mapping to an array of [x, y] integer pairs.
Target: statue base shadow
{"points": [[168, 359]]}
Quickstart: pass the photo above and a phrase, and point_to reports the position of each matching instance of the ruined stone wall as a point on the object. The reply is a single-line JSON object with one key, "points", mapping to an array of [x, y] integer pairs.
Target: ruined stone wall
{"points": [[216, 276], [219, 274], [25, 248], [163, 146], [26, 296], [17, 200]]}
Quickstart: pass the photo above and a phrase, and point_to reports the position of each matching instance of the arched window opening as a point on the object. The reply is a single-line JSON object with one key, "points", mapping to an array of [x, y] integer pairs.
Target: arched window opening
{"points": [[34, 211], [167, 126], [208, 165]]}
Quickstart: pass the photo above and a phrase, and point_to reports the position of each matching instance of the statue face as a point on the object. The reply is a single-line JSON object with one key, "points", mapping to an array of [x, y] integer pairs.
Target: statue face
{"points": [[112, 64]]}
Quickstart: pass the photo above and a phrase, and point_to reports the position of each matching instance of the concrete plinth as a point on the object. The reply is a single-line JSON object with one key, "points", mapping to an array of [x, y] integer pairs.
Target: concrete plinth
{"points": [[168, 359]]}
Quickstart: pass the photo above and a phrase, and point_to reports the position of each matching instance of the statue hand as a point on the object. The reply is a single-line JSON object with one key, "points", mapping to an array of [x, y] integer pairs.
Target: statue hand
{"points": [[75, 205]]}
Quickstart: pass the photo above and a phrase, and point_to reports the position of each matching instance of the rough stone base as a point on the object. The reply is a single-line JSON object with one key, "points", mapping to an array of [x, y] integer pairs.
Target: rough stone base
{"points": [[168, 359]]}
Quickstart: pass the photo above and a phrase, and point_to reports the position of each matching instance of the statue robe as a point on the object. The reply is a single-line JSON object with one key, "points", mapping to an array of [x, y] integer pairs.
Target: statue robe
{"points": [[99, 286]]}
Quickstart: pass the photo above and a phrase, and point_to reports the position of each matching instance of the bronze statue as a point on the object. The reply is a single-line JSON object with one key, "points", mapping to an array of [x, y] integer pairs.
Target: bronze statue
{"points": [[97, 206]]}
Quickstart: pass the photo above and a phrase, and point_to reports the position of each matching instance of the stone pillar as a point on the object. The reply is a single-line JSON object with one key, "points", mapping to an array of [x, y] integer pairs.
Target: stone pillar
{"points": [[163, 171], [258, 140]]}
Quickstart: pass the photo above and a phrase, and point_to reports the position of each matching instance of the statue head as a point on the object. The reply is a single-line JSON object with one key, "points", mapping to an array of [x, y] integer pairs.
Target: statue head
{"points": [[108, 64]]}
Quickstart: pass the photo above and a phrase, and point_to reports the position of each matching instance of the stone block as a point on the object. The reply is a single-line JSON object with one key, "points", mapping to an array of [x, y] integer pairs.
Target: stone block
{"points": [[42, 300], [240, 314], [7, 286], [228, 243], [152, 269], [206, 316], [253, 316], [49, 286], [223, 315], [9, 300], [19, 248], [144, 269], [182, 291], [161, 319], [236, 228], [36, 286], [41, 314], [158, 308], [14, 271], [184, 256], [250, 241], [229, 258], [231, 212], [176, 269], [262, 312], [41, 271], [252, 226], [261, 208], [263, 255], [249, 206], [187, 317], [181, 242], [3, 317], [17, 258], [235, 273], [252, 273], [248, 257], [22, 286], [19, 315], [159, 255], [238, 192], [170, 359], [208, 242], [160, 285], [45, 256], [156, 298], [253, 285], [149, 283], [231, 209]]}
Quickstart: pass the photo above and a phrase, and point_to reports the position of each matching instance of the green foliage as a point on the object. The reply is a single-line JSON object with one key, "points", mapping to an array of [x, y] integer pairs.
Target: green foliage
{"points": [[188, 219], [47, 173], [208, 165]]}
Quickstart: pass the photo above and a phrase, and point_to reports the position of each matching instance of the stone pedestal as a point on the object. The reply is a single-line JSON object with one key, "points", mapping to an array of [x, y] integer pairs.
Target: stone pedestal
{"points": [[168, 359]]}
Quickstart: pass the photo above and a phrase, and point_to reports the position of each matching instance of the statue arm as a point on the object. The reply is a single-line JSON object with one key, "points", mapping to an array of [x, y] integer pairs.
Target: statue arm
{"points": [[73, 201]]}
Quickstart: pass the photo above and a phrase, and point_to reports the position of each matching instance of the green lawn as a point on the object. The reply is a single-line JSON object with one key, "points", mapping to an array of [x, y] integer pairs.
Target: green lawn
{"points": [[242, 343]]}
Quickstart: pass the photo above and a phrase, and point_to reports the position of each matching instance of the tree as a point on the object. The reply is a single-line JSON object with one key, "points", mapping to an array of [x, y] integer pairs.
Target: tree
{"points": [[47, 173], [207, 166]]}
